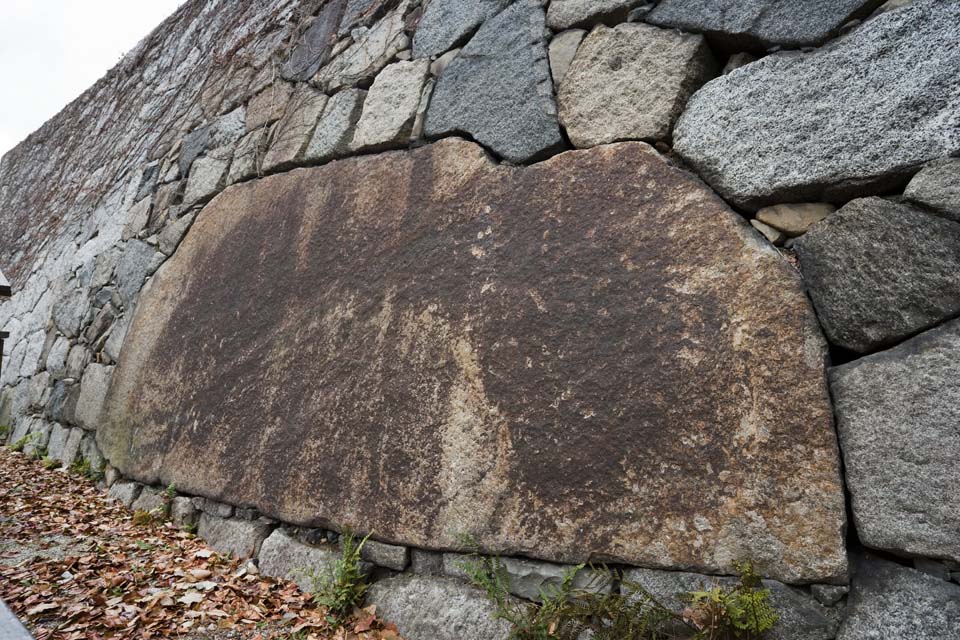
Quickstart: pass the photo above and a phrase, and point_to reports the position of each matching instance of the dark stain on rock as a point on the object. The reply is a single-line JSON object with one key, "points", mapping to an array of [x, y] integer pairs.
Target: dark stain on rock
{"points": [[589, 358]]}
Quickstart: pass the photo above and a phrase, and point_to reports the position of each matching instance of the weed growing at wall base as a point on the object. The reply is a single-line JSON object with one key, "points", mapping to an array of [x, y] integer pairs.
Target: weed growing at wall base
{"points": [[608, 608], [343, 588]]}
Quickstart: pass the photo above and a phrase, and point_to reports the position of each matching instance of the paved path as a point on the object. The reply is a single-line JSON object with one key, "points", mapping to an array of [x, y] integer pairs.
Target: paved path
{"points": [[10, 627]]}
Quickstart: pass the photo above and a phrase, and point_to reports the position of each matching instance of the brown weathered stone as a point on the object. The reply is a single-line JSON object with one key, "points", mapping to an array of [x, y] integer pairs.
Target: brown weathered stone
{"points": [[427, 344]]}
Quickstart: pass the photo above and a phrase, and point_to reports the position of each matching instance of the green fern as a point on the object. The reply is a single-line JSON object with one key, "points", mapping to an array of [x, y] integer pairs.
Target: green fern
{"points": [[742, 612], [20, 444], [344, 586]]}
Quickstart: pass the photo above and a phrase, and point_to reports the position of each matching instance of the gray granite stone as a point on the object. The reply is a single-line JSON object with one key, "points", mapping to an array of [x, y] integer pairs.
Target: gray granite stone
{"points": [[448, 23], [312, 49], [238, 538], [57, 357], [390, 108], [437, 608], [527, 578], [125, 492], [183, 514], [897, 420], [853, 118], [564, 14], [172, 233], [370, 52], [194, 144], [69, 311], [62, 405], [891, 602], [759, 24], [207, 178], [631, 83], [563, 47], [426, 563], [801, 616], [332, 136], [937, 187], [151, 500], [499, 90], [290, 136], [878, 272], [829, 594], [137, 261], [283, 556], [248, 158], [268, 105], [390, 556]]}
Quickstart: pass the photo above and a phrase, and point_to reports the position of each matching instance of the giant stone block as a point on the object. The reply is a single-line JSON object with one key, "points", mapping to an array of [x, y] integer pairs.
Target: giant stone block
{"points": [[428, 344]]}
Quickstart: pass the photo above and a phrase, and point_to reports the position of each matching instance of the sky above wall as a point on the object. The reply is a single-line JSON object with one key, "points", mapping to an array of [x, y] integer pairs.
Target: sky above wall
{"points": [[52, 50]]}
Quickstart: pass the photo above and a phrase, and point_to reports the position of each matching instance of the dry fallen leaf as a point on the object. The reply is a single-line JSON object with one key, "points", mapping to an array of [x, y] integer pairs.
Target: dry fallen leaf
{"points": [[109, 578]]}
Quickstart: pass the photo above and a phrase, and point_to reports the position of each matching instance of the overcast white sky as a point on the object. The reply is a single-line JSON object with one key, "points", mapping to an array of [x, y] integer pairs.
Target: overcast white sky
{"points": [[52, 50]]}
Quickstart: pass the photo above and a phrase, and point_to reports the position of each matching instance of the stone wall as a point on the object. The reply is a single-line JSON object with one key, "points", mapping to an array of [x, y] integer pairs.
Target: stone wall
{"points": [[663, 285]]}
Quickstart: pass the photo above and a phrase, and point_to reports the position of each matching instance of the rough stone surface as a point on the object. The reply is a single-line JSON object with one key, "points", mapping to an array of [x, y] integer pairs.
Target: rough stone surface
{"points": [[469, 320], [239, 538], [283, 556], [528, 579], [57, 441], [895, 602], [291, 135], [151, 499], [829, 594], [125, 492], [194, 144], [137, 262], [332, 136], [878, 272], [137, 218], [447, 23], [564, 14], [760, 24], [736, 61], [441, 63], [897, 416], [937, 186], [437, 608], [69, 312], [391, 106], [62, 405], [801, 616], [313, 48], [268, 106], [390, 556], [93, 390], [169, 239], [207, 178], [631, 82], [372, 50], [213, 507], [91, 453], [775, 236], [563, 47], [57, 357], [795, 219], [183, 514], [853, 118], [248, 158], [499, 89], [426, 563]]}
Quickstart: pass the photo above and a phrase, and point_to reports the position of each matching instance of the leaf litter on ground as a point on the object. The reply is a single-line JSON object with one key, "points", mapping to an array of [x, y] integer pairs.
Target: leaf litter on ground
{"points": [[74, 566]]}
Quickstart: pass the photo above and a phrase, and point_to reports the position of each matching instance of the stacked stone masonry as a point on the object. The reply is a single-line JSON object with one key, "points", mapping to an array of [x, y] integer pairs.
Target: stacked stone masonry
{"points": [[661, 285]]}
